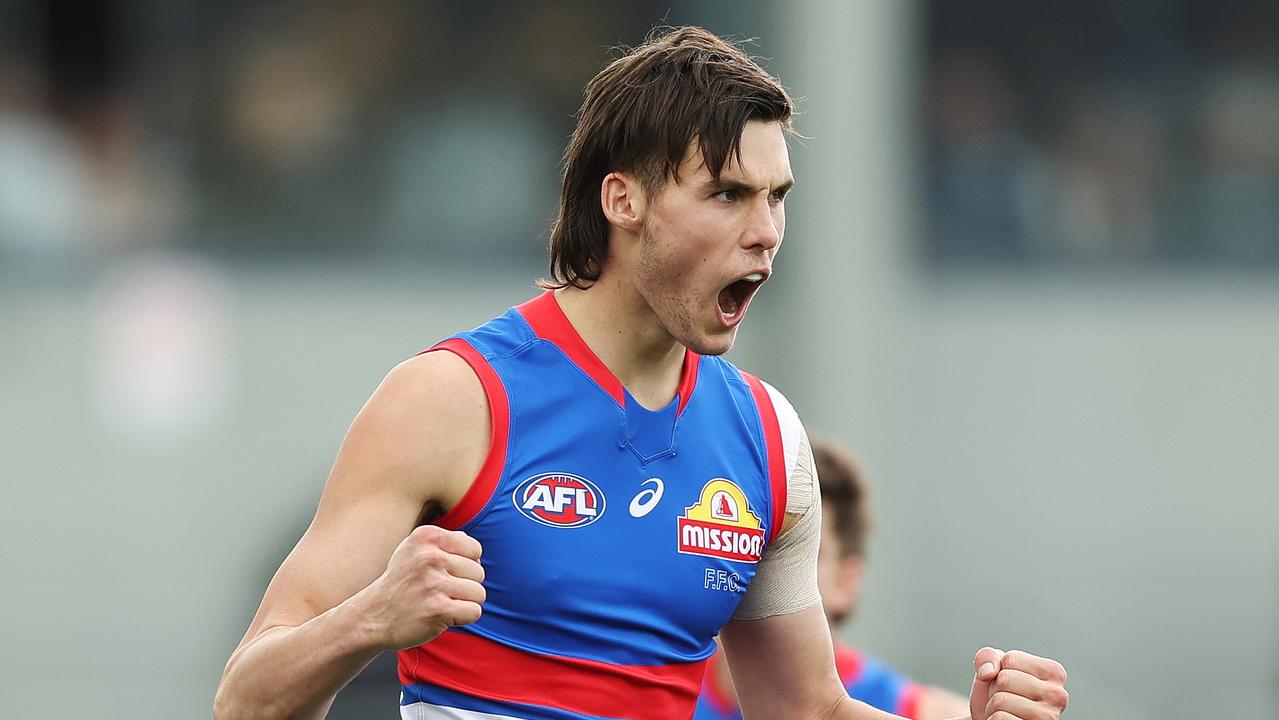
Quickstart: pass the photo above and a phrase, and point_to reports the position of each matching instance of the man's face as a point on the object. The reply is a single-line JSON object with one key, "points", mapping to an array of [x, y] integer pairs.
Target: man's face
{"points": [[708, 245]]}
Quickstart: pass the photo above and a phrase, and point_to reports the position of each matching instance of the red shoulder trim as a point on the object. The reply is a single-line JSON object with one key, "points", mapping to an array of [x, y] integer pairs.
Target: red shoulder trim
{"points": [[544, 315], [481, 490], [548, 321], [776, 455]]}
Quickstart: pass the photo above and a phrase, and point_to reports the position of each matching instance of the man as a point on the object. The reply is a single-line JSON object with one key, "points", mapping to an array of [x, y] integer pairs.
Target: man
{"points": [[631, 493], [846, 522]]}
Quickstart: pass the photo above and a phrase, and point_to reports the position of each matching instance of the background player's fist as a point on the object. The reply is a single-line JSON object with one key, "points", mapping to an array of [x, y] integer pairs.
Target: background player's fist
{"points": [[432, 581], [1016, 685]]}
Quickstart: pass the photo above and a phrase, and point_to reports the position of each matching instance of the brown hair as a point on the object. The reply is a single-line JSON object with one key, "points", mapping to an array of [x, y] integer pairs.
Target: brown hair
{"points": [[639, 115], [844, 493]]}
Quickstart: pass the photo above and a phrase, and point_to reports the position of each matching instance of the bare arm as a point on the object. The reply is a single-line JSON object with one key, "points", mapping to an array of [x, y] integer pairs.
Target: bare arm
{"points": [[784, 666], [938, 703], [362, 579]]}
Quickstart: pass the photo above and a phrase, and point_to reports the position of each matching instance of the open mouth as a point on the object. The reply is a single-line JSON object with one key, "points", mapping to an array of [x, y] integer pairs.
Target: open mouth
{"points": [[734, 298]]}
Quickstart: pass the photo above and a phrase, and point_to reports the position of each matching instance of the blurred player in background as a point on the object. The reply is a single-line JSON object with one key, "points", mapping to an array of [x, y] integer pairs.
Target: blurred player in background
{"points": [[553, 515], [841, 565]]}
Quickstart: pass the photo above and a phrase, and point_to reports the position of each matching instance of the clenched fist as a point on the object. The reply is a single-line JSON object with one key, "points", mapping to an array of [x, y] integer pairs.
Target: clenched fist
{"points": [[1017, 686], [432, 582]]}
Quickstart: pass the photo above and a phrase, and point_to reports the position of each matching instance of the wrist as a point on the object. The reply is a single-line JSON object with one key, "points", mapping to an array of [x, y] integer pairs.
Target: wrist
{"points": [[364, 616]]}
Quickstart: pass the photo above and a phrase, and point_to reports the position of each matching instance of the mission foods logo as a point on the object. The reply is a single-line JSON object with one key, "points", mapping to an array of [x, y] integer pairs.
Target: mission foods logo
{"points": [[559, 500], [721, 525]]}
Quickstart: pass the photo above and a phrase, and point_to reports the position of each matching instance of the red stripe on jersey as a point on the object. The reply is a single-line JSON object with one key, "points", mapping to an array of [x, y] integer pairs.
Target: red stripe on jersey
{"points": [[692, 361], [548, 321], [477, 496], [776, 456], [544, 315], [473, 665]]}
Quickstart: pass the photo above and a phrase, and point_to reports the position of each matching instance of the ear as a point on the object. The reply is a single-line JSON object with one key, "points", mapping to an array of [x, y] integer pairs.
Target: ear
{"points": [[623, 201]]}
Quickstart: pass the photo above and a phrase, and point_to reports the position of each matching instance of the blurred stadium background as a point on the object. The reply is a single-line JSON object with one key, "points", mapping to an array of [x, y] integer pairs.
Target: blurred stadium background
{"points": [[1031, 275]]}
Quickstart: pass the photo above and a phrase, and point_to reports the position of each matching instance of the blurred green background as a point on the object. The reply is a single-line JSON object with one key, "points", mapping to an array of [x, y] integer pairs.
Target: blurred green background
{"points": [[1031, 276]]}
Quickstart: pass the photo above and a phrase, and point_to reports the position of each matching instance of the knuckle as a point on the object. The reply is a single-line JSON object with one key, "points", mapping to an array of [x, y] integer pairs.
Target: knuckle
{"points": [[469, 613], [432, 556], [1000, 700], [1057, 697], [433, 606], [427, 533], [1004, 680], [1058, 671]]}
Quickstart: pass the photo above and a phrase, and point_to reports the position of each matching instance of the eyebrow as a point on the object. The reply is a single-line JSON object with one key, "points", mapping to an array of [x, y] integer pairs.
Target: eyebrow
{"points": [[726, 184]]}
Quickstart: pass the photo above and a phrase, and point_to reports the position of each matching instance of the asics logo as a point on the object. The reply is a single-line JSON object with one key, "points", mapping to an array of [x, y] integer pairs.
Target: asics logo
{"points": [[648, 498]]}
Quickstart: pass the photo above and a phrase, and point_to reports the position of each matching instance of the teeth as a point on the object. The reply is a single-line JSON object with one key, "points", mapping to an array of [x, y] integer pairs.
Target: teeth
{"points": [[754, 277]]}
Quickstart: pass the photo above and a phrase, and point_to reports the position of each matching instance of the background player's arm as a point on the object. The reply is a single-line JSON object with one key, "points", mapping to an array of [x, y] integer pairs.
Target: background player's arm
{"points": [[362, 579]]}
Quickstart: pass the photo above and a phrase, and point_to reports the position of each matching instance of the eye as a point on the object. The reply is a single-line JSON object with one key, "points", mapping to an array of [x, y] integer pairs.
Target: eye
{"points": [[727, 196], [776, 198]]}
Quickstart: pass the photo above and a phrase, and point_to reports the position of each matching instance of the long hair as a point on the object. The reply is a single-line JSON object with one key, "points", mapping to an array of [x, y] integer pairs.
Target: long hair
{"points": [[640, 115]]}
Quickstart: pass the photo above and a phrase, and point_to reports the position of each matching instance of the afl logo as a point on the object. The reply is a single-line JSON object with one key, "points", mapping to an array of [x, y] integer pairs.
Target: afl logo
{"points": [[559, 500]]}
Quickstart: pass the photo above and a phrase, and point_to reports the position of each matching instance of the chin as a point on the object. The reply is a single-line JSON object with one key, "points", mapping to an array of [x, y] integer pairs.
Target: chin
{"points": [[708, 344]]}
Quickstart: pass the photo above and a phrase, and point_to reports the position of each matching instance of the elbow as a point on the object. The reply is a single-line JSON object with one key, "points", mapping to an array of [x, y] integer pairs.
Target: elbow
{"points": [[226, 706], [233, 702], [230, 704], [223, 707]]}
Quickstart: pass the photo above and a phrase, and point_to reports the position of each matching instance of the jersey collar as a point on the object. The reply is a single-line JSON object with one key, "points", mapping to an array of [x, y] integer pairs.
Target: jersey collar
{"points": [[548, 321]]}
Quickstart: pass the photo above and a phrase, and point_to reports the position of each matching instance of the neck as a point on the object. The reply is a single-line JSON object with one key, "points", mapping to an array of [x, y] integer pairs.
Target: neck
{"points": [[622, 330]]}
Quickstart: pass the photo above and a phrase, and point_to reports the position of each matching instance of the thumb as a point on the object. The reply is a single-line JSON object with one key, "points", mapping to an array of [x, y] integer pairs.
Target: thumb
{"points": [[987, 662], [985, 669]]}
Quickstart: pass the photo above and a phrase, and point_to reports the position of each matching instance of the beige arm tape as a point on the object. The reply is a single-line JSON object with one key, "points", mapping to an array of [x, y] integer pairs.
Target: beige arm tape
{"points": [[786, 578]]}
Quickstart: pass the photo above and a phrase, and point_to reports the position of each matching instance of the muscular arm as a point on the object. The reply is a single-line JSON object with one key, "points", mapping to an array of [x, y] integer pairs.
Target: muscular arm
{"points": [[343, 593], [784, 666]]}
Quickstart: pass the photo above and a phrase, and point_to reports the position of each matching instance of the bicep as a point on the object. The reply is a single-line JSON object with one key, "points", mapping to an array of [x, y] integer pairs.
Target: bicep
{"points": [[414, 446]]}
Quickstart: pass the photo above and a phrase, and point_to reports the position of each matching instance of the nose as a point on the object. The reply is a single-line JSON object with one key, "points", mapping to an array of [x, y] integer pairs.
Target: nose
{"points": [[764, 226]]}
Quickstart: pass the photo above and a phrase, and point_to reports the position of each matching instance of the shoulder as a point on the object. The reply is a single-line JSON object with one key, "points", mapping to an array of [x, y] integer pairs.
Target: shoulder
{"points": [[787, 420], [797, 461], [428, 423], [435, 389], [776, 412]]}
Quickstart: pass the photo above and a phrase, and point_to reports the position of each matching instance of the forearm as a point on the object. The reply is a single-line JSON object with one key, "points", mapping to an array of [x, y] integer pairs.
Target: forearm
{"points": [[294, 672]]}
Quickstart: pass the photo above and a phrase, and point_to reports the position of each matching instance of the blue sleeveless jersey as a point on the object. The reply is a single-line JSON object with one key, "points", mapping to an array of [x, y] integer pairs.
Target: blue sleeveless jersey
{"points": [[865, 678], [617, 540]]}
